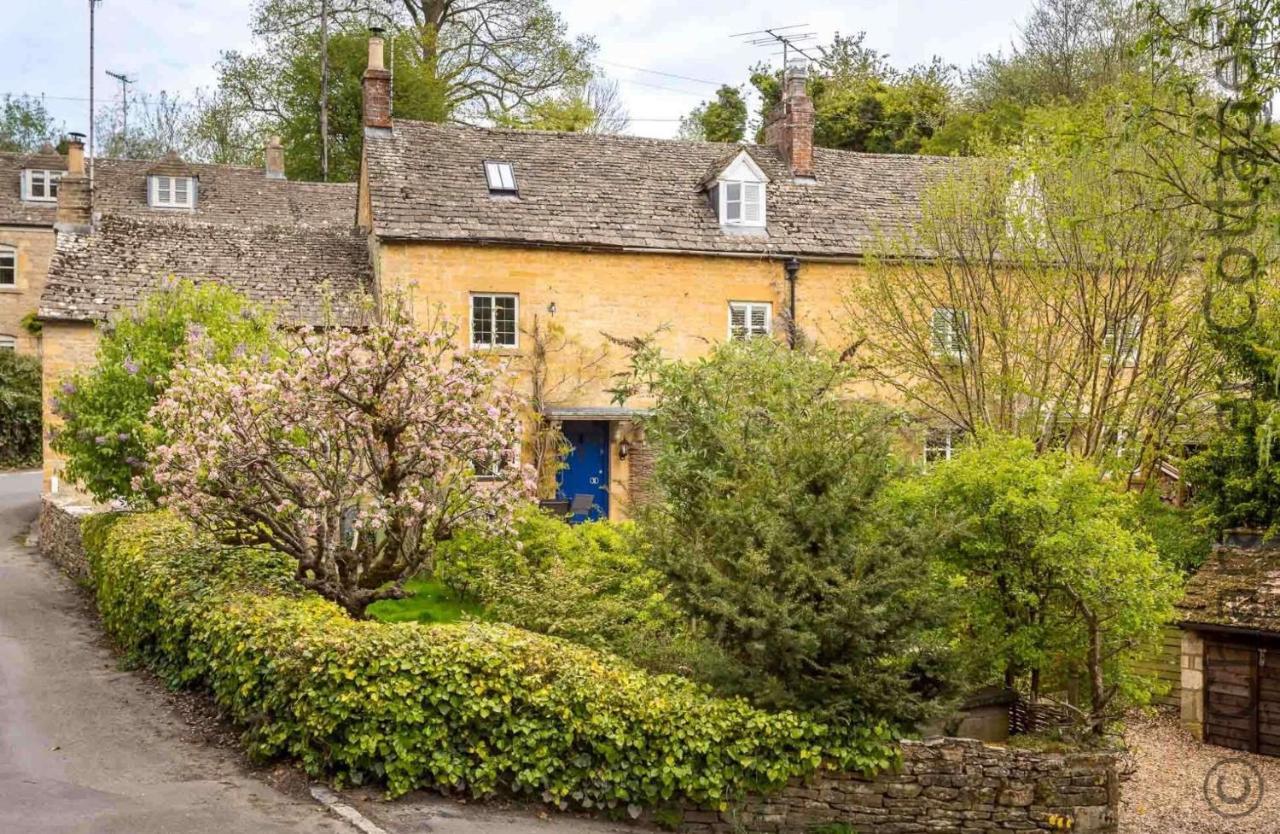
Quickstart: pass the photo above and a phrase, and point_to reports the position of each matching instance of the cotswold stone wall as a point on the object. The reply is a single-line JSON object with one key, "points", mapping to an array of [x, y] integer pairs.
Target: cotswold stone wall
{"points": [[60, 540], [945, 784]]}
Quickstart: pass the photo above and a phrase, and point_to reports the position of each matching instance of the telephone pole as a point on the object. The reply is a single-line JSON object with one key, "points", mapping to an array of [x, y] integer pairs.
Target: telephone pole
{"points": [[92, 7], [125, 81]]}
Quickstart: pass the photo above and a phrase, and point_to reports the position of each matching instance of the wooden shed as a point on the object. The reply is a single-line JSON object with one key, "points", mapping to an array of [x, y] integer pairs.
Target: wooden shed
{"points": [[1230, 659]]}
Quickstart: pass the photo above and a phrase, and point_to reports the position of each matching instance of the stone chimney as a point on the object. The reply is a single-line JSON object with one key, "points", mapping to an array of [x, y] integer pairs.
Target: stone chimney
{"points": [[790, 125], [377, 86], [75, 200], [275, 159]]}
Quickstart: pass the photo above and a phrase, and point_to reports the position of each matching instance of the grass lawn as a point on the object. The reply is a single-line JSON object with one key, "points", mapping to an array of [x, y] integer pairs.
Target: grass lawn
{"points": [[429, 602]]}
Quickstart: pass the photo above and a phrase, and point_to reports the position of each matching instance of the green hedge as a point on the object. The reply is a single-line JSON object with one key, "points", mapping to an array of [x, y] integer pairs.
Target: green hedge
{"points": [[477, 707]]}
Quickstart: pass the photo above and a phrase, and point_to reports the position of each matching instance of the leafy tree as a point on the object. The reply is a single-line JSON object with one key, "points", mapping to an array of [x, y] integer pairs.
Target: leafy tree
{"points": [[724, 119], [1069, 302], [593, 107], [494, 56], [861, 103], [510, 61], [279, 88], [106, 436], [1067, 51], [1054, 575], [20, 409], [157, 124], [355, 451], [25, 124], [767, 529], [1181, 539], [1220, 63], [1236, 476]]}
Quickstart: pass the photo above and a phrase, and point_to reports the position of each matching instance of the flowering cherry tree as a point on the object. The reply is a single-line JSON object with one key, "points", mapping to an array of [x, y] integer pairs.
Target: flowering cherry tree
{"points": [[355, 452]]}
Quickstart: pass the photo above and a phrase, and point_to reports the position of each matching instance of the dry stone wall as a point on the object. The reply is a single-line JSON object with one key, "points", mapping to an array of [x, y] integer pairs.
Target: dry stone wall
{"points": [[60, 540], [945, 784]]}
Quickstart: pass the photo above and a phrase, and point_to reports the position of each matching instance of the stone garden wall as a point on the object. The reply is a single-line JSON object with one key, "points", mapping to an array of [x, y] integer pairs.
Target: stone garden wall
{"points": [[945, 784], [60, 521]]}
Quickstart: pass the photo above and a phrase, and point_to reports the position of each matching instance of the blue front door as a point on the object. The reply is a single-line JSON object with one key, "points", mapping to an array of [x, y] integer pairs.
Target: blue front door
{"points": [[586, 471]]}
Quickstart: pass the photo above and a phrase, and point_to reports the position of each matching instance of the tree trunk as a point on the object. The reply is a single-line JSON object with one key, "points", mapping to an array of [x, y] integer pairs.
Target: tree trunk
{"points": [[1097, 687]]}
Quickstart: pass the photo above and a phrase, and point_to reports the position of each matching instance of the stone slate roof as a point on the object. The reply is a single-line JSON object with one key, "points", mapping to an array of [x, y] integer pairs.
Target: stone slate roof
{"points": [[226, 194], [14, 211], [427, 183], [287, 267], [1236, 587]]}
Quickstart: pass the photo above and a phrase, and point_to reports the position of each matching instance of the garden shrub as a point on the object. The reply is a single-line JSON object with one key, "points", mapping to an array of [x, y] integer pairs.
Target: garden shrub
{"points": [[106, 435], [20, 411], [766, 526], [588, 583], [474, 707], [1055, 574]]}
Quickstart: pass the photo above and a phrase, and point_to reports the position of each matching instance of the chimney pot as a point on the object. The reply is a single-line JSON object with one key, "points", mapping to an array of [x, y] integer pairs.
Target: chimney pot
{"points": [[275, 159], [75, 154], [376, 86], [375, 49]]}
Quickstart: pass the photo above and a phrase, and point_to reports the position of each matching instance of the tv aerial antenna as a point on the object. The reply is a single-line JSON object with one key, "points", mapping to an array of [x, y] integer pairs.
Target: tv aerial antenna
{"points": [[791, 40]]}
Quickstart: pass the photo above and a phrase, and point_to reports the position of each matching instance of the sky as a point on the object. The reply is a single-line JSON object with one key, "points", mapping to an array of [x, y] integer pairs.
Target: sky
{"points": [[173, 45]]}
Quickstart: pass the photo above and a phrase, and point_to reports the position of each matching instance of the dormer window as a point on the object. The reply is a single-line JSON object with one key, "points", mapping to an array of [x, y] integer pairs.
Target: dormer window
{"points": [[738, 193], [40, 185], [501, 178], [172, 192]]}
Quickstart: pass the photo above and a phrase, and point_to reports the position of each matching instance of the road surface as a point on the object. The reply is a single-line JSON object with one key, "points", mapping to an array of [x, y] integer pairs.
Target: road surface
{"points": [[87, 747]]}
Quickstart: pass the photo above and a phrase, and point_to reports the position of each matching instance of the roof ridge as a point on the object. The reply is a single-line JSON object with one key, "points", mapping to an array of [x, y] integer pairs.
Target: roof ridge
{"points": [[569, 134]]}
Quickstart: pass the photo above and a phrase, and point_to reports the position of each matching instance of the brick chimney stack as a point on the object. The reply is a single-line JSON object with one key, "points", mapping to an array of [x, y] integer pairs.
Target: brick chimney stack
{"points": [[275, 159], [790, 125], [75, 200], [377, 86]]}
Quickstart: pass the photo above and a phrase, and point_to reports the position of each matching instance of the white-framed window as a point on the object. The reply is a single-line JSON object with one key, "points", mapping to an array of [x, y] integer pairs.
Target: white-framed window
{"points": [[501, 177], [40, 185], [939, 445], [493, 320], [8, 342], [8, 266], [1120, 341], [949, 333], [742, 203], [172, 192], [748, 319]]}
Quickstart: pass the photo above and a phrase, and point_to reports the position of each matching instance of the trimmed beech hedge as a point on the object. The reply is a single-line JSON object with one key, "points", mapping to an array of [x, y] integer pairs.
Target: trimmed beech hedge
{"points": [[475, 707]]}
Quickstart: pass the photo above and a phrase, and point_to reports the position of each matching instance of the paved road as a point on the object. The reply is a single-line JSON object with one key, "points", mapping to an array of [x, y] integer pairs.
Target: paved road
{"points": [[86, 747]]}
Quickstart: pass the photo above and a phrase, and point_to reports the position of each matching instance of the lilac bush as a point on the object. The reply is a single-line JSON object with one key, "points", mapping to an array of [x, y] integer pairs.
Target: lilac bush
{"points": [[356, 452]]}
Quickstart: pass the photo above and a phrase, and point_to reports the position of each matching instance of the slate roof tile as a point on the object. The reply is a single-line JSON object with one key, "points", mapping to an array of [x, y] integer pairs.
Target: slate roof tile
{"points": [[427, 183], [285, 267], [1236, 587]]}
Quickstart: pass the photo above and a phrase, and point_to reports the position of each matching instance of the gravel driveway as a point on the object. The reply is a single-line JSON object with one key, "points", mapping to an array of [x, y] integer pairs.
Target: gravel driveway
{"points": [[1184, 787]]}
